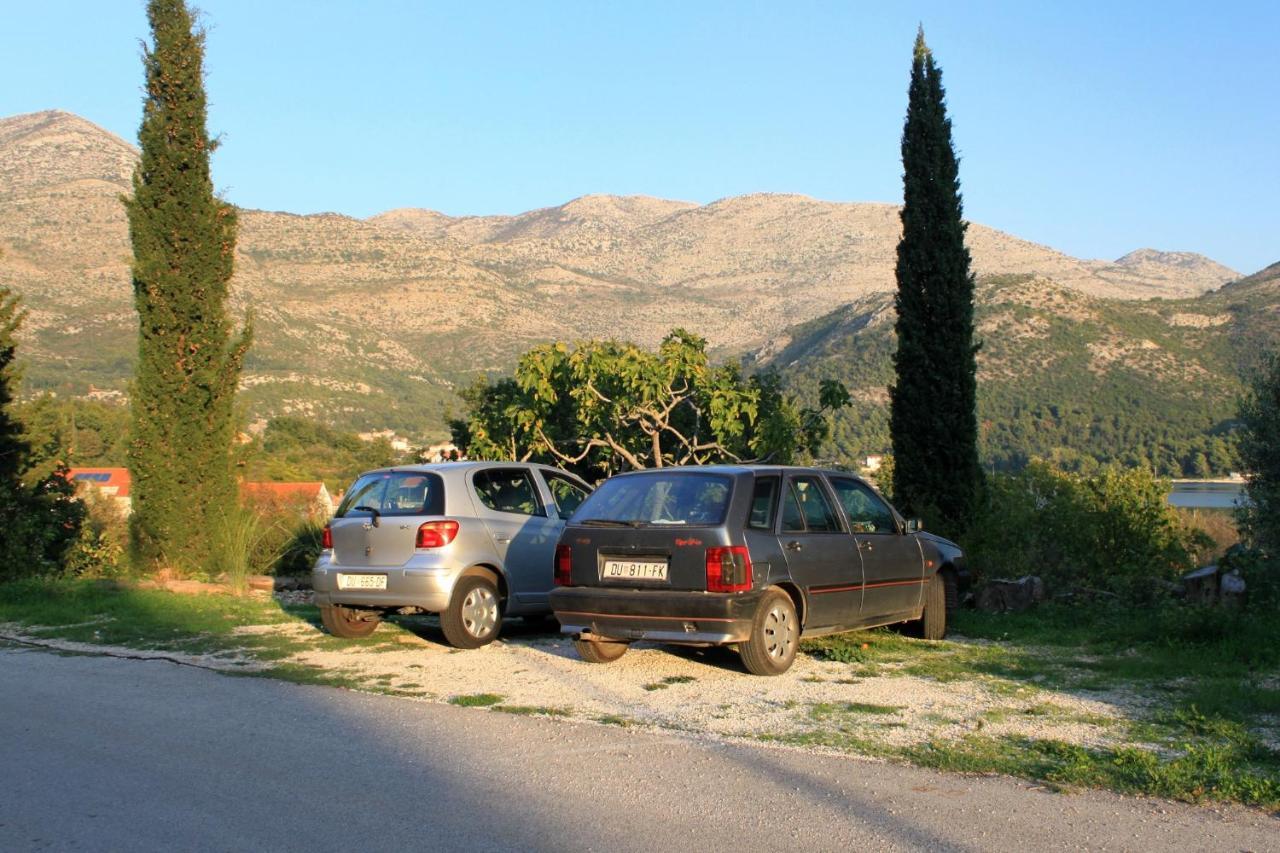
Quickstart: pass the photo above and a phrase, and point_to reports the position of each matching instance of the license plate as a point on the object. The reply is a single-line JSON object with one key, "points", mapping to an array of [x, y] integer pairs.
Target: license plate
{"points": [[640, 570], [362, 581]]}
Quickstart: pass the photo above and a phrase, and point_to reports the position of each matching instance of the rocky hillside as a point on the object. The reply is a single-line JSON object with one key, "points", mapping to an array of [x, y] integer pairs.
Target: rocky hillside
{"points": [[371, 322]]}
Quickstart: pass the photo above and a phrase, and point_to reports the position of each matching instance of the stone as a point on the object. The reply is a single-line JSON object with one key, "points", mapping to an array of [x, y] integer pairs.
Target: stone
{"points": [[262, 583], [1003, 595]]}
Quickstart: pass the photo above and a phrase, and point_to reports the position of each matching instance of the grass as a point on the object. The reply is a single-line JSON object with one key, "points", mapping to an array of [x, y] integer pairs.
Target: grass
{"points": [[667, 682], [533, 710], [476, 700]]}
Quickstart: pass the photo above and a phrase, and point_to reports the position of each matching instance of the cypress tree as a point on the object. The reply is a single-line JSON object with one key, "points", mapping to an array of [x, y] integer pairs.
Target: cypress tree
{"points": [[13, 448], [188, 364], [933, 415]]}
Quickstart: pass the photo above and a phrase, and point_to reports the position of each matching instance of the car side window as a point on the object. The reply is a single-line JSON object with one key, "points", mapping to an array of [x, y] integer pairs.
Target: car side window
{"points": [[507, 490], [568, 495], [762, 503], [866, 512], [806, 507]]}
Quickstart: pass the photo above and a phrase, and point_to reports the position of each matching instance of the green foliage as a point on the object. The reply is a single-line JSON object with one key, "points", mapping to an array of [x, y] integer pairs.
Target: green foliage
{"points": [[1113, 531], [933, 421], [605, 406], [88, 433], [101, 549], [39, 518], [188, 365], [246, 542], [1260, 457], [297, 449]]}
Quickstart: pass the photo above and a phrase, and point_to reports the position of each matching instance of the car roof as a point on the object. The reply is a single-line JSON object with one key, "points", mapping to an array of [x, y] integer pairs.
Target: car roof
{"points": [[738, 470], [458, 467]]}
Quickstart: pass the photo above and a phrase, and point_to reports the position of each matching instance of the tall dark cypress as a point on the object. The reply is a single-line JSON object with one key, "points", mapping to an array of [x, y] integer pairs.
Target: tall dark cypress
{"points": [[188, 363], [933, 401], [13, 448]]}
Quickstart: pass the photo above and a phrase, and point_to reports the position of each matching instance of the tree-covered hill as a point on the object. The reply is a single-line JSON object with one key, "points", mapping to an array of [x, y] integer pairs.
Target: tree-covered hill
{"points": [[1064, 375]]}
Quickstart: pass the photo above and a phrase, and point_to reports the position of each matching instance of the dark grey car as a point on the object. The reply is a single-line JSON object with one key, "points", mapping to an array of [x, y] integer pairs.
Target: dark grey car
{"points": [[750, 556], [472, 541]]}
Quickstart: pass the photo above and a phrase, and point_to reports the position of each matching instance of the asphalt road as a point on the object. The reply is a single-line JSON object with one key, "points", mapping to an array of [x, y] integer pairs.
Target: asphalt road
{"points": [[110, 754]]}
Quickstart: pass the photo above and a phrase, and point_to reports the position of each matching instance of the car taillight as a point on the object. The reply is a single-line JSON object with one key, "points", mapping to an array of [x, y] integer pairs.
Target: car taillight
{"points": [[436, 534], [564, 566], [728, 569], [326, 539]]}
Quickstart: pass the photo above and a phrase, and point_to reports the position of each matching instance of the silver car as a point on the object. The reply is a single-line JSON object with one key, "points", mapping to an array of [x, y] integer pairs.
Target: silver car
{"points": [[472, 541]]}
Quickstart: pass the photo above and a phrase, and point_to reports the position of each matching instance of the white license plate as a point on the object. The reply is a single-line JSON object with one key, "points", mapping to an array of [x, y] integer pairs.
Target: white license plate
{"points": [[362, 581], [640, 570]]}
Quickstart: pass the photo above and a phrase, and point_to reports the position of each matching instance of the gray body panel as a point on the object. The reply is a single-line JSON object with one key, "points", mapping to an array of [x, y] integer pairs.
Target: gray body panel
{"points": [[519, 548]]}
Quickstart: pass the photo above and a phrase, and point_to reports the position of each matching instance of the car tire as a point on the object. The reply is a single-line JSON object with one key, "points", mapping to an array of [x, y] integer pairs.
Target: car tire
{"points": [[775, 636], [474, 615], [932, 624], [350, 623], [597, 651]]}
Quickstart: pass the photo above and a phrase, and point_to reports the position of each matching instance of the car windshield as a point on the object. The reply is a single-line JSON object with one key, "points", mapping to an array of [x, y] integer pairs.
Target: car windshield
{"points": [[678, 498], [395, 493]]}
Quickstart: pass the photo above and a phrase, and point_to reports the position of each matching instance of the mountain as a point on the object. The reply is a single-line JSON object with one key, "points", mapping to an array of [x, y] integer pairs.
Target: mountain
{"points": [[1061, 373], [371, 323]]}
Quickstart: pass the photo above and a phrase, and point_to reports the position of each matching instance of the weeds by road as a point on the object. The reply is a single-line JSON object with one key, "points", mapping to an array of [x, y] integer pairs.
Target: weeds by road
{"points": [[1173, 702]]}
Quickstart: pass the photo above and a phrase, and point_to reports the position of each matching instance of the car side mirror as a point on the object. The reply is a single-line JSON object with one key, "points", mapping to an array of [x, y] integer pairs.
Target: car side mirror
{"points": [[914, 525]]}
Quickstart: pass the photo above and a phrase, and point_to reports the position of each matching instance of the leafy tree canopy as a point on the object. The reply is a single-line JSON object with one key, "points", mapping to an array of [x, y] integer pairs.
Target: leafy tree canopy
{"points": [[605, 406]]}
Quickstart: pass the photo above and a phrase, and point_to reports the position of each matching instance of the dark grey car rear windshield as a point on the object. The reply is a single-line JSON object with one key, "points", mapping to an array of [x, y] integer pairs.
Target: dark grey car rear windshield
{"points": [[395, 493], [691, 499]]}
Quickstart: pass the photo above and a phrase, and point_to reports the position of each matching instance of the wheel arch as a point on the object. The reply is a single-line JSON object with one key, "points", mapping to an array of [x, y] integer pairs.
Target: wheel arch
{"points": [[951, 579], [491, 572], [796, 595]]}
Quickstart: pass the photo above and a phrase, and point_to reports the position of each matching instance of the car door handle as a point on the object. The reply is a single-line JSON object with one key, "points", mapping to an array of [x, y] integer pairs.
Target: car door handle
{"points": [[793, 545], [502, 540], [864, 545]]}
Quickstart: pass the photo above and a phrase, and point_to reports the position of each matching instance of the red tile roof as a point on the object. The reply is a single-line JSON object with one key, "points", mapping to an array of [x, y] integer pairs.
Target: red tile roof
{"points": [[103, 478], [310, 491]]}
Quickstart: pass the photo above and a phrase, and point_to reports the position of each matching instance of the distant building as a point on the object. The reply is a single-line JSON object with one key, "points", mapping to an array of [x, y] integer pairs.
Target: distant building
{"points": [[398, 443], [112, 483], [443, 452], [310, 500]]}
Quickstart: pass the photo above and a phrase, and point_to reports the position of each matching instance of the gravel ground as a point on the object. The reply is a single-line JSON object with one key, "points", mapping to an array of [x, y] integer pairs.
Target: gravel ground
{"points": [[696, 690], [707, 691]]}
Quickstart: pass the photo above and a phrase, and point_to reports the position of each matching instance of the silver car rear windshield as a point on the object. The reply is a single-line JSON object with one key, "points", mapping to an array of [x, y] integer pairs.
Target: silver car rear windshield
{"points": [[655, 499], [395, 493]]}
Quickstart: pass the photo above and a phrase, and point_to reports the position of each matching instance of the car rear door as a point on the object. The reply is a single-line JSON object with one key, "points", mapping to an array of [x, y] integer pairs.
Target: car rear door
{"points": [[891, 560], [821, 556], [511, 503]]}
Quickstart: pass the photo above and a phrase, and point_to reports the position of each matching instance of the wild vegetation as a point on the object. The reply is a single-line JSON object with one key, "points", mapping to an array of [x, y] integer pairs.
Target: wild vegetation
{"points": [[1112, 533], [38, 517], [188, 363]]}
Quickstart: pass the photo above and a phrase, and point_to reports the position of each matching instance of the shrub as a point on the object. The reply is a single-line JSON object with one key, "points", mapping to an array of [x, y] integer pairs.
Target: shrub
{"points": [[1111, 532], [101, 549], [244, 543]]}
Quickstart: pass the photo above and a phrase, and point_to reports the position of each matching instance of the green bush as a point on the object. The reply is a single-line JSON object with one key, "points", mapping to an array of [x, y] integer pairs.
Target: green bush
{"points": [[1112, 532]]}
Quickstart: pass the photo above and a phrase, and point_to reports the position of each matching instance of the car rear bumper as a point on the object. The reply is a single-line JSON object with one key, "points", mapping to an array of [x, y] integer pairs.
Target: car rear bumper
{"points": [[663, 616], [426, 586]]}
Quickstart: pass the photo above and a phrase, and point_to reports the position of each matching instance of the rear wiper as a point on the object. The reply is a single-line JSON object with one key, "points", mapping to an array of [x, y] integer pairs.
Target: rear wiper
{"points": [[608, 522], [372, 511]]}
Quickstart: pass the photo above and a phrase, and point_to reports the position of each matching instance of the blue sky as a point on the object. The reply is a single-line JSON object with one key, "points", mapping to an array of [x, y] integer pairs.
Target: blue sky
{"points": [[1095, 128]]}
